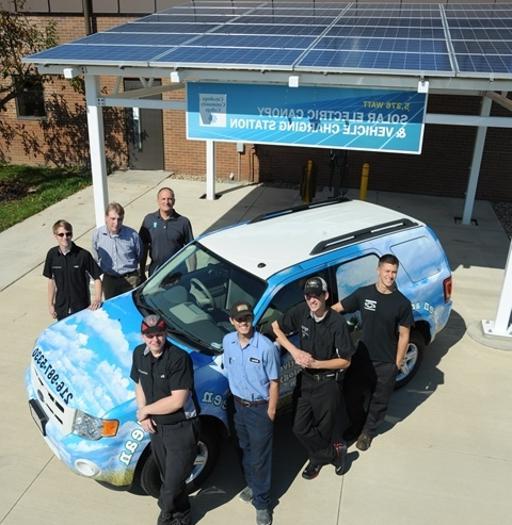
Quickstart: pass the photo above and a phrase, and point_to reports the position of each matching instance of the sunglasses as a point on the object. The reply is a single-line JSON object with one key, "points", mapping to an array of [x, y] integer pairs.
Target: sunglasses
{"points": [[244, 319], [152, 336], [65, 234]]}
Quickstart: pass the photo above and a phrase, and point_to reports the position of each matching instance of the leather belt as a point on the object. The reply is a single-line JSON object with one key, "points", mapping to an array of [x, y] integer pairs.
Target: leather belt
{"points": [[247, 404], [129, 274], [325, 376]]}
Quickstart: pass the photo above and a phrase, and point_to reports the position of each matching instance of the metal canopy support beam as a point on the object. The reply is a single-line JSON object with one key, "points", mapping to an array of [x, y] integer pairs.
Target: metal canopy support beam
{"points": [[96, 147], [476, 163], [210, 170], [500, 326]]}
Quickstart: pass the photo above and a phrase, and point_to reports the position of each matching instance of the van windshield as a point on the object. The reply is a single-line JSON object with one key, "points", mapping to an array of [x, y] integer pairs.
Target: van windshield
{"points": [[194, 290]]}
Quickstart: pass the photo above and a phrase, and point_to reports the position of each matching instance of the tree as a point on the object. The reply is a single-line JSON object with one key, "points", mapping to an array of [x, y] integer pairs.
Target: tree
{"points": [[20, 37]]}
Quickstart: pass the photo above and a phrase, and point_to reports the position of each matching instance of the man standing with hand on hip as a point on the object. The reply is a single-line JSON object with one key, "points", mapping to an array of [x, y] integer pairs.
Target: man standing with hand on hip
{"points": [[167, 410], [387, 319], [252, 363]]}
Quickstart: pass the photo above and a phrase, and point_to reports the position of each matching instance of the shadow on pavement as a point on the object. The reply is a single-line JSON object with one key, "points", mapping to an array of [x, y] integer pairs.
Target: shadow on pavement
{"points": [[406, 400]]}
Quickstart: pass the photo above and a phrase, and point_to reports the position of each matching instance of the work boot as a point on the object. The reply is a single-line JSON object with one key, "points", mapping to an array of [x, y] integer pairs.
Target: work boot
{"points": [[165, 518], [263, 517], [364, 441], [340, 459], [311, 471], [182, 518], [246, 495]]}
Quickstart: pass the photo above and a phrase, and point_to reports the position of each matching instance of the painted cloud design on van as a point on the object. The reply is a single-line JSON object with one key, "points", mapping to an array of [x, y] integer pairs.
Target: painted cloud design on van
{"points": [[96, 366]]}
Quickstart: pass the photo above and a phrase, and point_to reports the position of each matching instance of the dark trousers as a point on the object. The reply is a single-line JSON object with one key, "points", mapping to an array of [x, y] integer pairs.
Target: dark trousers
{"points": [[254, 431], [64, 312], [382, 387], [368, 388], [175, 449], [320, 417], [114, 285]]}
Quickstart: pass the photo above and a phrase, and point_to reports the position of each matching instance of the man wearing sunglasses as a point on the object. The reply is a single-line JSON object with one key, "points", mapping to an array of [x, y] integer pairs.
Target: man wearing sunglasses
{"points": [[167, 410], [325, 352], [69, 269], [252, 363]]}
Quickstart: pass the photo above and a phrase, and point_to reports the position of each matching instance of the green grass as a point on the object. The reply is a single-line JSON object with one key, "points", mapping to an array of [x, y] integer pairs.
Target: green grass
{"points": [[26, 190]]}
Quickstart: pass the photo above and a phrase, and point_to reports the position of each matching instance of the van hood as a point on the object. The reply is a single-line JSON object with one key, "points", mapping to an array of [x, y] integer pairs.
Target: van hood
{"points": [[91, 352]]}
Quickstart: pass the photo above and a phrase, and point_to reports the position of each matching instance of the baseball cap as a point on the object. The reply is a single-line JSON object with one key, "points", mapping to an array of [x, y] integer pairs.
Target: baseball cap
{"points": [[240, 309], [153, 324], [315, 286]]}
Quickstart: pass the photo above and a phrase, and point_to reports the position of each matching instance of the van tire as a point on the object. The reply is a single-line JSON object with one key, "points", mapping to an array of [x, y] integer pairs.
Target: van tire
{"points": [[149, 476], [413, 358]]}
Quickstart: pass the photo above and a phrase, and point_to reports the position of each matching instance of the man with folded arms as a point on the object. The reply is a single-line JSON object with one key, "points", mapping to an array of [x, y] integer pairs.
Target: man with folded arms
{"points": [[118, 250], [325, 352], [251, 362]]}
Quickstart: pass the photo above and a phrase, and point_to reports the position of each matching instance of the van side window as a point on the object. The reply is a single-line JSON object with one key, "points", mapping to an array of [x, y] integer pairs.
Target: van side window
{"points": [[356, 273], [420, 258], [289, 296]]}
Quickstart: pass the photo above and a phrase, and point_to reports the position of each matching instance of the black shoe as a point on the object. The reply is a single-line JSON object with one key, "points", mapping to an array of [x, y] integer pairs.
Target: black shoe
{"points": [[165, 518], [340, 459], [363, 442], [311, 471]]}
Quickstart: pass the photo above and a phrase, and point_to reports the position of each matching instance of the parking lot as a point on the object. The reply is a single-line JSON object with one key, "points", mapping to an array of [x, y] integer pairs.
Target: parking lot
{"points": [[446, 451]]}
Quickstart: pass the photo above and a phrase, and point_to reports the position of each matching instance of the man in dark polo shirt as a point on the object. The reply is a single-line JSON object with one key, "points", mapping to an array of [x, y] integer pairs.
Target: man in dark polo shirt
{"points": [[167, 410], [163, 232], [387, 319], [324, 354], [68, 269]]}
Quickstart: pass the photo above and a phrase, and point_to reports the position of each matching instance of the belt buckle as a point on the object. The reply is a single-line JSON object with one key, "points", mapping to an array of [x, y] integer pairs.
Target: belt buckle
{"points": [[246, 403]]}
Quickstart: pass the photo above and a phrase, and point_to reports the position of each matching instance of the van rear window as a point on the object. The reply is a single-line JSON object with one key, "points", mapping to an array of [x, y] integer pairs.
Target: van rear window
{"points": [[420, 257]]}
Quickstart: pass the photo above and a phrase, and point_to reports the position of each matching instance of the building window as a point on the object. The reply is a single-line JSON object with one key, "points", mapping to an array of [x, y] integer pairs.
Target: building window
{"points": [[30, 100]]}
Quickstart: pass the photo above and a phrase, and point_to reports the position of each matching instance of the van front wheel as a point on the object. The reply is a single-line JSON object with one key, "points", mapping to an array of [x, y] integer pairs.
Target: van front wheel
{"points": [[207, 453]]}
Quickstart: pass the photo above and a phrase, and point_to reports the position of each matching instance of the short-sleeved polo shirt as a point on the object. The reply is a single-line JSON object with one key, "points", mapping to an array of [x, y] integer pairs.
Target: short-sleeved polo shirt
{"points": [[325, 339], [159, 376], [164, 237], [71, 275], [251, 368]]}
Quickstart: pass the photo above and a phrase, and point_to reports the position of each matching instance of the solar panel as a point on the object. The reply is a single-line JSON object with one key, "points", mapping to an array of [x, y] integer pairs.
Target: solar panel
{"points": [[481, 37], [469, 40]]}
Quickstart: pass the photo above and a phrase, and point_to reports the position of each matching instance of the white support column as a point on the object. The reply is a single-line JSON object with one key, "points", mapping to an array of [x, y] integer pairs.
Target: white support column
{"points": [[97, 148], [500, 326], [485, 111], [210, 170]]}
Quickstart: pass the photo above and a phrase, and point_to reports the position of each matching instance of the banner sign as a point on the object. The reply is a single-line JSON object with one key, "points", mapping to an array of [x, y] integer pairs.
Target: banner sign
{"points": [[336, 118]]}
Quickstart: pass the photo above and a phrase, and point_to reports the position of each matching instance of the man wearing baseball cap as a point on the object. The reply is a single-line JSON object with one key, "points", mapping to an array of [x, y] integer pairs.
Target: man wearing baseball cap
{"points": [[325, 352], [251, 362], [167, 410]]}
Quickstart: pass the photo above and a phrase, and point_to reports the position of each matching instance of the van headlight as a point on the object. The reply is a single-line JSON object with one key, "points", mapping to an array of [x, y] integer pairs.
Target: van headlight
{"points": [[90, 427]]}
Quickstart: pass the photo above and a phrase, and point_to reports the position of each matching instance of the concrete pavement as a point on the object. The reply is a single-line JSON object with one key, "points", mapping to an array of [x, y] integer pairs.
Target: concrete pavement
{"points": [[446, 455]]}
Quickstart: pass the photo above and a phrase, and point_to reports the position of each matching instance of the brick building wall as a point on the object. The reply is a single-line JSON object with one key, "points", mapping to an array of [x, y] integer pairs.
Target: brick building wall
{"points": [[442, 168]]}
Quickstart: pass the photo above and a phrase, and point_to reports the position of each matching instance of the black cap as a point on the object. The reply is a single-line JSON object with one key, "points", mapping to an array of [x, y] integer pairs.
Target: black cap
{"points": [[153, 324], [315, 286], [239, 309]]}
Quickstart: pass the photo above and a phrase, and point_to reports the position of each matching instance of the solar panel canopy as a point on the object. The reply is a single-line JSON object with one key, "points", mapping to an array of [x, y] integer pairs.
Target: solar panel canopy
{"points": [[447, 40]]}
